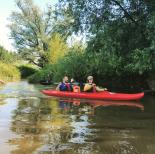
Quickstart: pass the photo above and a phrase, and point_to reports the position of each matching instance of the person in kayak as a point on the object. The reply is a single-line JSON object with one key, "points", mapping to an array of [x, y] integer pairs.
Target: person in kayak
{"points": [[75, 85], [90, 86], [64, 85]]}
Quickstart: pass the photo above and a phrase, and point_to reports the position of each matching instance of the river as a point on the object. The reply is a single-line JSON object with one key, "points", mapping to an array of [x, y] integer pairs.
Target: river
{"points": [[32, 123]]}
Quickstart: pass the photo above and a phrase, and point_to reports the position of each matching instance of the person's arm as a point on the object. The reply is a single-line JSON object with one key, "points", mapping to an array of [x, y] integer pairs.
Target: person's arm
{"points": [[87, 87], [100, 89]]}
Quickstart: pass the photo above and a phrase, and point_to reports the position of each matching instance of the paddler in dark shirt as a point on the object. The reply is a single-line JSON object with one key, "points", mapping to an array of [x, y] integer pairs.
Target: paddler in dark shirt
{"points": [[90, 86], [64, 85]]}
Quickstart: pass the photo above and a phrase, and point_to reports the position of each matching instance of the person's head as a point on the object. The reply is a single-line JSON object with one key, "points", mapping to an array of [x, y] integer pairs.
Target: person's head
{"points": [[90, 79], [65, 79]]}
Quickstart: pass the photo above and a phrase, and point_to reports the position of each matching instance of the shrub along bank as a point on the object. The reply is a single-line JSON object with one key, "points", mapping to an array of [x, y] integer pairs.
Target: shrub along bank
{"points": [[111, 71], [9, 72]]}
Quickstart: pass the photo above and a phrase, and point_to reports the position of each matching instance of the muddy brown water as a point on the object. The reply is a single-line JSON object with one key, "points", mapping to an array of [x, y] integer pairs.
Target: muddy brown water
{"points": [[32, 123]]}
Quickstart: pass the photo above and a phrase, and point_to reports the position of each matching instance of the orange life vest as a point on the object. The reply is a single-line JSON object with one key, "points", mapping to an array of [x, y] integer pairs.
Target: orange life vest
{"points": [[76, 89]]}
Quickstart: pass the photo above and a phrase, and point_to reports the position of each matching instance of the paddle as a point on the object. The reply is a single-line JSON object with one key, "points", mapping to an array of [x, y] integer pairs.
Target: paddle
{"points": [[74, 83]]}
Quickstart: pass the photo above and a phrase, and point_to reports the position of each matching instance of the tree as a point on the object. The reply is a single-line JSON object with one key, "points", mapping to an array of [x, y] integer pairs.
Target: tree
{"points": [[120, 37], [118, 27], [57, 48], [112, 18], [31, 30], [64, 21]]}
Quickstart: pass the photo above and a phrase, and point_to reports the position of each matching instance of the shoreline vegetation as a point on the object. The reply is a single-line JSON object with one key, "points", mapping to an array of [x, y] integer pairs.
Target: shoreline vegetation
{"points": [[8, 73], [114, 46], [8, 70]]}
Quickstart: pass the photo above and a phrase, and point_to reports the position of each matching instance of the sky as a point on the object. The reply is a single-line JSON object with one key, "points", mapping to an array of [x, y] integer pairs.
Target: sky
{"points": [[6, 7]]}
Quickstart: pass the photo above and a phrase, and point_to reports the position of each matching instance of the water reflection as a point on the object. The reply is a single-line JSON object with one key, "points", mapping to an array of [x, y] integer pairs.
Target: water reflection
{"points": [[40, 124], [90, 105], [45, 125], [6, 107]]}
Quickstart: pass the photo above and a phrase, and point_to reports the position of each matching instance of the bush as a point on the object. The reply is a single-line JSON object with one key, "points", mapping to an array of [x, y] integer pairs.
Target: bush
{"points": [[45, 73], [26, 70], [140, 62], [109, 70], [9, 72], [73, 64]]}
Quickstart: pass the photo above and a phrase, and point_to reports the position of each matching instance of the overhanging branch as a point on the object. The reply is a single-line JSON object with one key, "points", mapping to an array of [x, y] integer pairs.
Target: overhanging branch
{"points": [[125, 11]]}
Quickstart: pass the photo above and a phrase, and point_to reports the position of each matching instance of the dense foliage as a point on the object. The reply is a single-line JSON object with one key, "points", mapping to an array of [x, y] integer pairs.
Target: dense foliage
{"points": [[26, 70], [119, 34], [44, 74]]}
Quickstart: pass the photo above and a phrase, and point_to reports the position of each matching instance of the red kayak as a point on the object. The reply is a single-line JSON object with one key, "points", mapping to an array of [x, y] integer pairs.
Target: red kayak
{"points": [[97, 95]]}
